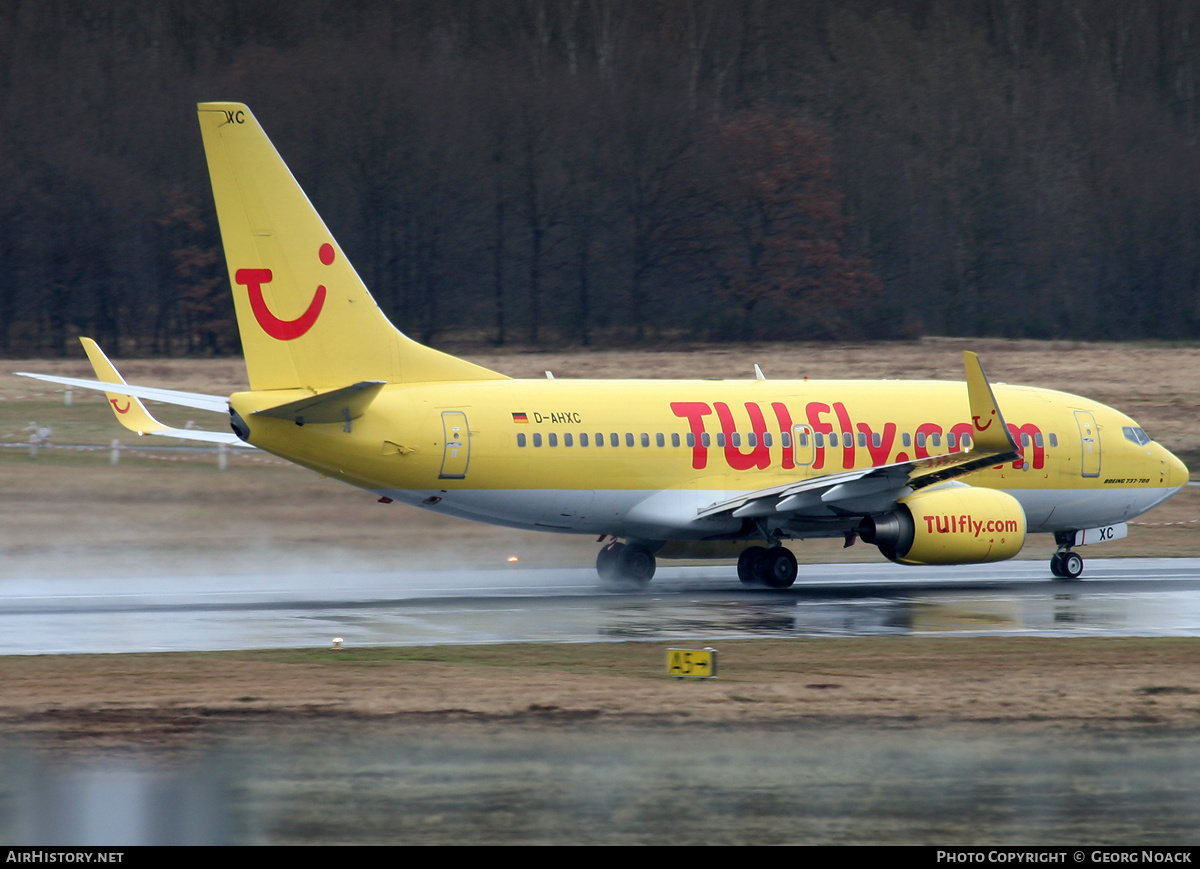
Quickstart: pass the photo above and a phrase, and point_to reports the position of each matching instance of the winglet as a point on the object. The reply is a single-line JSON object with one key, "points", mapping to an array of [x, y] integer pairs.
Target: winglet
{"points": [[989, 431], [132, 414], [129, 410]]}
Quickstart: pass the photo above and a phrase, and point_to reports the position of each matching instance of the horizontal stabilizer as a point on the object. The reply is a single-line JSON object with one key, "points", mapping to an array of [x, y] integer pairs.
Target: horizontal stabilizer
{"points": [[128, 408], [215, 403], [338, 405]]}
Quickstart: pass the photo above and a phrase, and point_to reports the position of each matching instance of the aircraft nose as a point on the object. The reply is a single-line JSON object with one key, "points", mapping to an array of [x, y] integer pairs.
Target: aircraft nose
{"points": [[1176, 472]]}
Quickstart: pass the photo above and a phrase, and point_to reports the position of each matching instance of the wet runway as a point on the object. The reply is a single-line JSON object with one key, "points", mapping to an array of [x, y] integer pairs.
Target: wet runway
{"points": [[300, 608], [674, 783]]}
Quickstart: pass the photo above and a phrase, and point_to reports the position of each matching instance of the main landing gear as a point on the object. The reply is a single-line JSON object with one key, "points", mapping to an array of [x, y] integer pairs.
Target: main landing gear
{"points": [[634, 563], [626, 562], [774, 567]]}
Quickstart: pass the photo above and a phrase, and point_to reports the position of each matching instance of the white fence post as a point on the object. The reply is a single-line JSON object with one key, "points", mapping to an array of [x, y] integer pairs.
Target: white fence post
{"points": [[114, 457]]}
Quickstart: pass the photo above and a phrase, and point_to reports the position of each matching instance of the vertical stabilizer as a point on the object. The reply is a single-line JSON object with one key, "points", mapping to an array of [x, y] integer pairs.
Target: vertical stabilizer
{"points": [[305, 317]]}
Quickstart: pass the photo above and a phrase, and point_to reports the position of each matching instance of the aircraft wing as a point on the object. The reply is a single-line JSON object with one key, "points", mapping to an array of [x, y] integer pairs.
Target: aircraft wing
{"points": [[128, 408], [872, 490]]}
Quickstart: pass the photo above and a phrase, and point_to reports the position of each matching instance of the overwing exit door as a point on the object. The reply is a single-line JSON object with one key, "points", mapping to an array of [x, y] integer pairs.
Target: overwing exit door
{"points": [[456, 454]]}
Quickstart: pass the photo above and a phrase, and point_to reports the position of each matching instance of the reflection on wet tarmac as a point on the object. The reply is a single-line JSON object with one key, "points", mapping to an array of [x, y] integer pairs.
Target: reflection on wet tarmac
{"points": [[306, 609]]}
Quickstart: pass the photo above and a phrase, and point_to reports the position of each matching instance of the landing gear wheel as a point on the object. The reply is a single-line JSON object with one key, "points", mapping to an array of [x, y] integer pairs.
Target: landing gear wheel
{"points": [[607, 559], [636, 564], [778, 567], [748, 564], [1066, 565]]}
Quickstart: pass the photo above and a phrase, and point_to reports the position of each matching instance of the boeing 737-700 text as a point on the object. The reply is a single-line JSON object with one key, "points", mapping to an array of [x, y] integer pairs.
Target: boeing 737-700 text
{"points": [[929, 472]]}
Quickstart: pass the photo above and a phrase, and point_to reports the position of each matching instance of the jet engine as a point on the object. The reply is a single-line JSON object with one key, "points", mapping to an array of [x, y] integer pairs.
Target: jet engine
{"points": [[949, 525]]}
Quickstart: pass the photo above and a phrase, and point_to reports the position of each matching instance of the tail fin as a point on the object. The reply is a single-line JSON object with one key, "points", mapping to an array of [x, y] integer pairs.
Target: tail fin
{"points": [[305, 317]]}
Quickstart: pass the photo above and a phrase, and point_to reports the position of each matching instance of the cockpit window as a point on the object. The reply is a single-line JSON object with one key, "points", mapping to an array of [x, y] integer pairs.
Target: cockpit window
{"points": [[1135, 434]]}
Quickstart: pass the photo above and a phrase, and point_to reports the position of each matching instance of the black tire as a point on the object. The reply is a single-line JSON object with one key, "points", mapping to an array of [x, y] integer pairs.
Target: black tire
{"points": [[636, 564], [607, 560], [1056, 565], [1072, 565], [749, 562], [778, 567]]}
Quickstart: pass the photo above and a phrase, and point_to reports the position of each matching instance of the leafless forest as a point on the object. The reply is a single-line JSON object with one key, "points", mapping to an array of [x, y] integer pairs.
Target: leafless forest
{"points": [[575, 172]]}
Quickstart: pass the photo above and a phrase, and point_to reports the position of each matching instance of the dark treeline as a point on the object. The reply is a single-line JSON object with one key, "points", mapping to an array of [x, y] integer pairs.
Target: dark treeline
{"points": [[600, 171]]}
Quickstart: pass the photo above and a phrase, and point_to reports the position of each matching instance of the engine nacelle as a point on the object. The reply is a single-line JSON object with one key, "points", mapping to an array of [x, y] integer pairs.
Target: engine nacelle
{"points": [[952, 525]]}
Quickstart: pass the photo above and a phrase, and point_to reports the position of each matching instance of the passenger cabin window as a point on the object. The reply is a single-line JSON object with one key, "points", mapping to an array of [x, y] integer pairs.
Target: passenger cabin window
{"points": [[537, 440], [583, 440], [521, 439], [1053, 439], [567, 441], [553, 438], [628, 439], [952, 440], [674, 438], [645, 439], [660, 440], [906, 439]]}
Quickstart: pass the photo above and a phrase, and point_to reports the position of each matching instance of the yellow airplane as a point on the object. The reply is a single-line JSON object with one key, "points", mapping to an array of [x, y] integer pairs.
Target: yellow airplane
{"points": [[929, 472]]}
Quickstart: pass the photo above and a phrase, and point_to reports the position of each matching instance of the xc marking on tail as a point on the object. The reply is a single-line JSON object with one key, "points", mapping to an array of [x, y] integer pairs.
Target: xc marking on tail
{"points": [[282, 330]]}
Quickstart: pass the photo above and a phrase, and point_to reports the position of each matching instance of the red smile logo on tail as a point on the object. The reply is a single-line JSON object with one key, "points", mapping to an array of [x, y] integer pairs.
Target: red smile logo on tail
{"points": [[282, 330], [117, 407]]}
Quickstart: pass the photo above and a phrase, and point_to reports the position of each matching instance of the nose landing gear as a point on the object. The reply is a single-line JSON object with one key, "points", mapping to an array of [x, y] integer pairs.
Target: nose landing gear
{"points": [[1066, 564]]}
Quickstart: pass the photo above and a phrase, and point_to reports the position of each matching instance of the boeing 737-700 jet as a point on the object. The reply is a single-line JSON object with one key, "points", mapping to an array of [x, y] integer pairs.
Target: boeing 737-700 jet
{"points": [[929, 472]]}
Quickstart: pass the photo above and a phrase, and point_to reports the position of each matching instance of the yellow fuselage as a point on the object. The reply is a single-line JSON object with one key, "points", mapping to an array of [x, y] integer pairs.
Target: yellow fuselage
{"points": [[451, 443]]}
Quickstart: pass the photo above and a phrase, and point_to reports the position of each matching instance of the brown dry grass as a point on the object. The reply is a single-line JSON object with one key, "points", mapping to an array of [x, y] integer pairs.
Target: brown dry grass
{"points": [[160, 701]]}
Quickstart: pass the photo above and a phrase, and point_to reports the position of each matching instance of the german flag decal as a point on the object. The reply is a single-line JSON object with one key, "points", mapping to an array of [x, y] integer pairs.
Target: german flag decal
{"points": [[520, 417]]}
